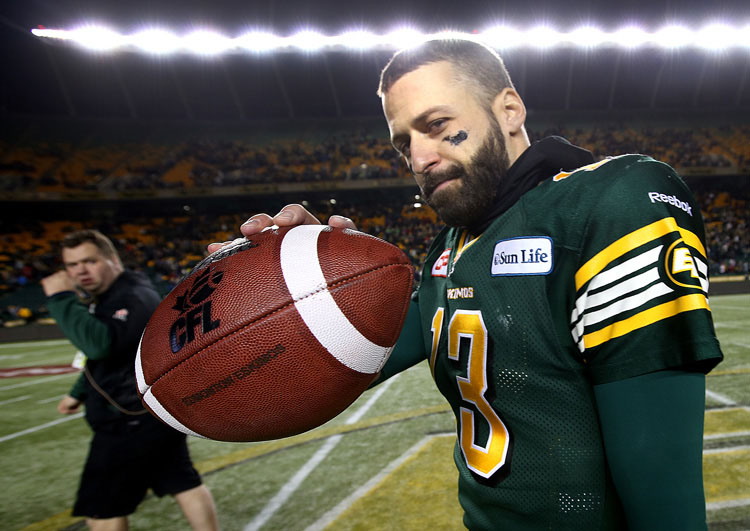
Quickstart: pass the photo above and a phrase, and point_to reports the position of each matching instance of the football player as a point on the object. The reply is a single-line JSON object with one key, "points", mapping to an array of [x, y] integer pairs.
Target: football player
{"points": [[563, 309]]}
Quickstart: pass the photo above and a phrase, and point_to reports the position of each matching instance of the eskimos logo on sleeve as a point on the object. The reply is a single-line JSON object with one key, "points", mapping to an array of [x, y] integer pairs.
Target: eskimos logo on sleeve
{"points": [[685, 266], [645, 277]]}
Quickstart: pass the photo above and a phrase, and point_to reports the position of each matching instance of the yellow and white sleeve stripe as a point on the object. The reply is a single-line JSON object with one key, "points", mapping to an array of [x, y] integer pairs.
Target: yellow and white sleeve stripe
{"points": [[623, 292]]}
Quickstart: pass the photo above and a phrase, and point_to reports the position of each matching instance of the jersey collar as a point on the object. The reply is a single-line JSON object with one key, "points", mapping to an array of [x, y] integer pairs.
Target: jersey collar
{"points": [[539, 162]]}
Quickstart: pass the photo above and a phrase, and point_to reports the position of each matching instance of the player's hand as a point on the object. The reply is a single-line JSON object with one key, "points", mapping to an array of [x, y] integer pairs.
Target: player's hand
{"points": [[57, 282], [68, 405], [289, 216]]}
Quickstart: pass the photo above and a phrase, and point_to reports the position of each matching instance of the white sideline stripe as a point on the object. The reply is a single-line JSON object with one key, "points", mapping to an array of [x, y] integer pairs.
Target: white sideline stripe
{"points": [[357, 415], [726, 450], [304, 278], [719, 305], [329, 517], [35, 343], [737, 344], [288, 489], [17, 399], [732, 326], [740, 502], [40, 427], [4, 357], [50, 399], [720, 398], [31, 353], [726, 435], [44, 379], [166, 416]]}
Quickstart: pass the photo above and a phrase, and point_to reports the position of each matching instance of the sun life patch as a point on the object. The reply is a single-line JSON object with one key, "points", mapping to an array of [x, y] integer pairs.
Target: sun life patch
{"points": [[526, 255]]}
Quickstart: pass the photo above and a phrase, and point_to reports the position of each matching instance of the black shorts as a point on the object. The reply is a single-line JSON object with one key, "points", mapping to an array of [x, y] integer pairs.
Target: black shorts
{"points": [[124, 462]]}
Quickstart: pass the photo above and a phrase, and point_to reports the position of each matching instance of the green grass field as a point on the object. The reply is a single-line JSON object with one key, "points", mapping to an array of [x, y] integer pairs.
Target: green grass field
{"points": [[391, 449]]}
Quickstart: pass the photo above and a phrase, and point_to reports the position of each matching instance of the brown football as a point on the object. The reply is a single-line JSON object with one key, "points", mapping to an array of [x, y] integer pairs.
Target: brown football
{"points": [[275, 334]]}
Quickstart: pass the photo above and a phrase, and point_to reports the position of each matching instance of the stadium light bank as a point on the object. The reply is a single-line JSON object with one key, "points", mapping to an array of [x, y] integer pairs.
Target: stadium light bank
{"points": [[711, 37]]}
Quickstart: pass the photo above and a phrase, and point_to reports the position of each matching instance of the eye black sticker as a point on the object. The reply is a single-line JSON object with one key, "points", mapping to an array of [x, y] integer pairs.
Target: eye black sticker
{"points": [[457, 138]]}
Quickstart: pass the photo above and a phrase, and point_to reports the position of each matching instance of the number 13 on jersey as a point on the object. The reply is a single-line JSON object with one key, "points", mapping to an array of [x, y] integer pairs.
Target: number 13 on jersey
{"points": [[482, 457]]}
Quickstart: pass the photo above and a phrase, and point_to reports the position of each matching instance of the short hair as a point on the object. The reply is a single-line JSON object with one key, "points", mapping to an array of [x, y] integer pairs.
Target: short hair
{"points": [[474, 63], [104, 244]]}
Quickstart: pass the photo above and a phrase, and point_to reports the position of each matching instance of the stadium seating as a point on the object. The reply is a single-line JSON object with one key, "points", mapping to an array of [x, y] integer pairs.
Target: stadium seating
{"points": [[153, 162], [89, 162]]}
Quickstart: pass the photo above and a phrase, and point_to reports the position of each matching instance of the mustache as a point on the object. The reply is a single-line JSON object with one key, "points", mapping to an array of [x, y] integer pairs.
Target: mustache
{"points": [[434, 179]]}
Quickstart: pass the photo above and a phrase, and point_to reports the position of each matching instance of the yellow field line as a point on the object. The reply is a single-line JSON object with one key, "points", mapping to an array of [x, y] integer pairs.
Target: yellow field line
{"points": [[211, 465], [207, 466], [729, 410], [729, 371], [54, 523], [377, 481]]}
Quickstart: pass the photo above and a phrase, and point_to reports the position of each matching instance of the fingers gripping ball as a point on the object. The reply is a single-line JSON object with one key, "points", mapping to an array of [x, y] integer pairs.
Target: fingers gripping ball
{"points": [[274, 335]]}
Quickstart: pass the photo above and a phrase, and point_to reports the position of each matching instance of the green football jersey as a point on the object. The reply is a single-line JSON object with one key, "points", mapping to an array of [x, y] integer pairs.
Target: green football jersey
{"points": [[593, 276]]}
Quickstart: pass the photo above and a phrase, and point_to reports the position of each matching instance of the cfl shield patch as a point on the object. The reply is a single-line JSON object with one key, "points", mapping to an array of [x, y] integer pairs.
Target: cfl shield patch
{"points": [[440, 267], [527, 255]]}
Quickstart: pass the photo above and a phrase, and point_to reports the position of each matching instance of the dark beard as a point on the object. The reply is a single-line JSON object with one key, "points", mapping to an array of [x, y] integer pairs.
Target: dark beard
{"points": [[476, 194]]}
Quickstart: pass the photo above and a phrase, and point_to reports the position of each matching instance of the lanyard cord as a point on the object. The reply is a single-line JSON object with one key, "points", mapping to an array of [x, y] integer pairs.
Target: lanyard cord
{"points": [[109, 398]]}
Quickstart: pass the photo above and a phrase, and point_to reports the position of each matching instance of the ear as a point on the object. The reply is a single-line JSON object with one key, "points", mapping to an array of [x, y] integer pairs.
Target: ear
{"points": [[117, 266], [510, 112]]}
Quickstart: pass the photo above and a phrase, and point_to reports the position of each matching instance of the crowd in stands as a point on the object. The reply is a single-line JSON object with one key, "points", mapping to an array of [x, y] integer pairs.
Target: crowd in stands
{"points": [[727, 221], [203, 163], [196, 164], [715, 147], [167, 247]]}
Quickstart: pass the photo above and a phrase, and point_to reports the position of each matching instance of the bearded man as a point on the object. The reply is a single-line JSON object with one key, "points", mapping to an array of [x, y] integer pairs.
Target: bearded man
{"points": [[563, 309]]}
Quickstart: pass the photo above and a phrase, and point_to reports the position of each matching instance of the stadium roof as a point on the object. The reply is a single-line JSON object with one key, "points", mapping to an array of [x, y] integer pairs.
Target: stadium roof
{"points": [[49, 78]]}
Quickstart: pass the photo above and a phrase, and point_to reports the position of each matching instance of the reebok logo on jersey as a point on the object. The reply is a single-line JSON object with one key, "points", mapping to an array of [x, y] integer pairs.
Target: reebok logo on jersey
{"points": [[530, 255], [440, 267], [670, 199]]}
